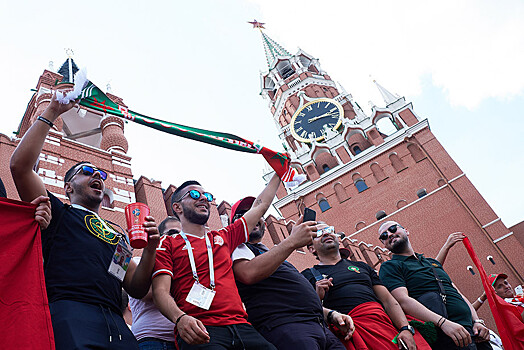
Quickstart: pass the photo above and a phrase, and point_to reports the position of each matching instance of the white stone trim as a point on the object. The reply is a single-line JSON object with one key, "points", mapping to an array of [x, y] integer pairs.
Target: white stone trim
{"points": [[491, 223], [112, 123], [355, 162], [501, 238]]}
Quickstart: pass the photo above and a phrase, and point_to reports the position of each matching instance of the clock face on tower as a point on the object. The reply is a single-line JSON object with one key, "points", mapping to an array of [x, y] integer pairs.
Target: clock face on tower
{"points": [[308, 122]]}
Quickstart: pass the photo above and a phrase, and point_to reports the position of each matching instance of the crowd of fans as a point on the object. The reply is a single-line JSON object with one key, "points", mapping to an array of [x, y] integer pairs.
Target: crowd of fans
{"points": [[193, 288]]}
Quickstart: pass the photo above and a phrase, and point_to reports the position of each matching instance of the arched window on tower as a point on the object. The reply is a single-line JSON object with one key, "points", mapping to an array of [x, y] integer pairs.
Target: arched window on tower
{"points": [[359, 182], [356, 150], [285, 69], [325, 167], [324, 204], [378, 172], [340, 192], [397, 163], [415, 152]]}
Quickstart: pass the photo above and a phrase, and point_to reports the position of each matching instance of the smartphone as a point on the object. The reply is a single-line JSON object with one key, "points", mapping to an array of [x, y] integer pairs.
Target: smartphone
{"points": [[309, 215]]}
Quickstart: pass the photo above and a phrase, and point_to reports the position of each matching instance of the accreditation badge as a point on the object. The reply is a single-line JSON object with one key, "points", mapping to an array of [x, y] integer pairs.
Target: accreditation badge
{"points": [[120, 261], [200, 296]]}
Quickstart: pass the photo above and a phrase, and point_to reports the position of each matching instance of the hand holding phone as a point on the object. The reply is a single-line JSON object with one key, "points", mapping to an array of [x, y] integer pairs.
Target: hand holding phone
{"points": [[309, 215]]}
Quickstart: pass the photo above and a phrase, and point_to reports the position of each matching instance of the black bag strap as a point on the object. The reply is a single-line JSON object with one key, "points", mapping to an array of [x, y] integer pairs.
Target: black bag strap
{"points": [[318, 276], [442, 291]]}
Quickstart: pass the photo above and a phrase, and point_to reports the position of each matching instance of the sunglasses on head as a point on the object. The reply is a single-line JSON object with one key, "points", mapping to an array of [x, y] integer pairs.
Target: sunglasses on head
{"points": [[393, 228], [196, 195], [89, 170]]}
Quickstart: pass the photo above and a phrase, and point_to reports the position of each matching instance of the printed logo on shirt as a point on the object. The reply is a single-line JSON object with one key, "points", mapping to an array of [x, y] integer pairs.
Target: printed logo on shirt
{"points": [[219, 240], [436, 265], [97, 228], [354, 269]]}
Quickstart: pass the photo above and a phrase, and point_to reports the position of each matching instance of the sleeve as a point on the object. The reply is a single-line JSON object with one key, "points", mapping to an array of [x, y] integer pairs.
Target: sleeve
{"points": [[242, 252], [375, 280], [236, 233], [164, 260], [57, 208], [391, 276], [309, 276]]}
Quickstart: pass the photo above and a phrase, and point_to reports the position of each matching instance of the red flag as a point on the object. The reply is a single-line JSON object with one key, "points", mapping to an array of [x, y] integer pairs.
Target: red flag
{"points": [[510, 327], [24, 310]]}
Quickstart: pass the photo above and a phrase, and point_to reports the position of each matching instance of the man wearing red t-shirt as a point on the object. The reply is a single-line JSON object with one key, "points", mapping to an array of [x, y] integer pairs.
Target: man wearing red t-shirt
{"points": [[193, 281]]}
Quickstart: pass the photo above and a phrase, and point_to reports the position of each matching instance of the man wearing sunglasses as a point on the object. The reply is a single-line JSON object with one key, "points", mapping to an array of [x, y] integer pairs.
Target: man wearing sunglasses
{"points": [[193, 281], [79, 247], [280, 302], [353, 287], [411, 278]]}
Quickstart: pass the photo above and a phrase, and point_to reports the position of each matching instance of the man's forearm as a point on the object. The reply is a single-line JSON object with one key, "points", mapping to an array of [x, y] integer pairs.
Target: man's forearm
{"points": [[263, 265], [167, 305], [262, 203], [413, 308], [395, 313], [141, 280]]}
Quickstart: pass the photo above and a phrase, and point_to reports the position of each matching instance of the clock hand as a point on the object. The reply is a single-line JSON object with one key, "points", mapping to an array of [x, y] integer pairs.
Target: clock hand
{"points": [[329, 114]]}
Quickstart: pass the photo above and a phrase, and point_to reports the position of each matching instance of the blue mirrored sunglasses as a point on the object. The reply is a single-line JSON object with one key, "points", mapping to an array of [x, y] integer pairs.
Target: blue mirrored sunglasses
{"points": [[329, 229], [89, 170], [196, 195]]}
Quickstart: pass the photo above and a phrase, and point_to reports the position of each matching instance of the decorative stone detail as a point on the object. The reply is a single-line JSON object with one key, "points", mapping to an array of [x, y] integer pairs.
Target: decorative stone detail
{"points": [[113, 134]]}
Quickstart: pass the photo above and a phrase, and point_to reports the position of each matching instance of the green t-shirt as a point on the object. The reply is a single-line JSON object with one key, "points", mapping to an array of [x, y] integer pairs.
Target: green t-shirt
{"points": [[415, 274]]}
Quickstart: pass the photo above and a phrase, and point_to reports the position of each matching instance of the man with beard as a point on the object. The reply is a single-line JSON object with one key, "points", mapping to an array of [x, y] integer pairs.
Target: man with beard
{"points": [[280, 302], [83, 290], [193, 281], [412, 280], [353, 287]]}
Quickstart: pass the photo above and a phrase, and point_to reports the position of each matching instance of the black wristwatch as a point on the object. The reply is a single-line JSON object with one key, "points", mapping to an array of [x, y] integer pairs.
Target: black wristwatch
{"points": [[407, 328]]}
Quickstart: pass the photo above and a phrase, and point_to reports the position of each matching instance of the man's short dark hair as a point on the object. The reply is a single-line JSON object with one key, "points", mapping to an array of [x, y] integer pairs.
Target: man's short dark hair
{"points": [[179, 191], [162, 226], [71, 171]]}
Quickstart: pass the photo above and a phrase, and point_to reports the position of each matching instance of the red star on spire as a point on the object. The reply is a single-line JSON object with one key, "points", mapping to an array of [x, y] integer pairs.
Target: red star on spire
{"points": [[257, 24]]}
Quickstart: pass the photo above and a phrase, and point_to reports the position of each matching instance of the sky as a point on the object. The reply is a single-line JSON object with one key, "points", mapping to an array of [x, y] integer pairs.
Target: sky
{"points": [[198, 63]]}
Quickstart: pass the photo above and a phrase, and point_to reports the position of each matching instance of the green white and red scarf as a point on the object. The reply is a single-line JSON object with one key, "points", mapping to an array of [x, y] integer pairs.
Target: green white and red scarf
{"points": [[92, 97]]}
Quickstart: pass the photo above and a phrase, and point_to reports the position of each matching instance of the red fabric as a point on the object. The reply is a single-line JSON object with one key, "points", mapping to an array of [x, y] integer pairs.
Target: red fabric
{"points": [[510, 327], [374, 330], [24, 311], [172, 259]]}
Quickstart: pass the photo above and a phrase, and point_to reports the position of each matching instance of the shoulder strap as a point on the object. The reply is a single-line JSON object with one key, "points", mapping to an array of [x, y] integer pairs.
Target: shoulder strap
{"points": [[441, 289], [318, 276], [254, 249]]}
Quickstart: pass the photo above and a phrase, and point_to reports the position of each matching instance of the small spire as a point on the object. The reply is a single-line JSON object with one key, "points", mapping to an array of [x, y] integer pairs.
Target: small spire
{"points": [[388, 97], [272, 49]]}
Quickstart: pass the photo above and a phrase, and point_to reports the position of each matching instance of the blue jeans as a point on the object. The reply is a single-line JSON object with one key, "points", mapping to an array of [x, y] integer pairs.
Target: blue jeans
{"points": [[155, 344], [232, 337]]}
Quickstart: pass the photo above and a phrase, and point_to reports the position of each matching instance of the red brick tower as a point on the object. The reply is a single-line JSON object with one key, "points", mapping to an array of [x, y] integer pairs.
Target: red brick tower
{"points": [[85, 134], [365, 169]]}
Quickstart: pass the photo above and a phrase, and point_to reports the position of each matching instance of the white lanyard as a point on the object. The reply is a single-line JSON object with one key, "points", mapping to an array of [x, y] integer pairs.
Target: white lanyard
{"points": [[78, 206], [192, 259]]}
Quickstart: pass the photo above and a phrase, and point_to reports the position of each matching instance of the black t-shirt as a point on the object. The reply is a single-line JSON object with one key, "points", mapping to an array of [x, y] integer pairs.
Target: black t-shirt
{"points": [[284, 297], [353, 283], [77, 253]]}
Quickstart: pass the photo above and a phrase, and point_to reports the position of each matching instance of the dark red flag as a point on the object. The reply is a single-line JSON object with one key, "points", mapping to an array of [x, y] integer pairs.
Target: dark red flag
{"points": [[24, 311], [510, 327]]}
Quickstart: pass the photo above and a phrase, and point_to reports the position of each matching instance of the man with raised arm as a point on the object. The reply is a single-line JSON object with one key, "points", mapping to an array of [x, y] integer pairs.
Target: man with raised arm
{"points": [[412, 280], [353, 287], [83, 284], [193, 281], [280, 302]]}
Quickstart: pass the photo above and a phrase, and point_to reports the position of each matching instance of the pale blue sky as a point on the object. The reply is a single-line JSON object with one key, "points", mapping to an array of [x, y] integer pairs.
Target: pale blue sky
{"points": [[198, 63]]}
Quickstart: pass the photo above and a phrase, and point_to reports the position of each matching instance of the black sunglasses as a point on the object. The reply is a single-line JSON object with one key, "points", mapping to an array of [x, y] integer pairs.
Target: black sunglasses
{"points": [[196, 195], [384, 235], [88, 171]]}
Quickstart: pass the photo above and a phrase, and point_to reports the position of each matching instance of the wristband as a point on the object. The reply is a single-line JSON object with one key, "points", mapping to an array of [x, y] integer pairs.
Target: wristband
{"points": [[480, 300], [179, 317], [47, 121], [440, 325], [330, 316]]}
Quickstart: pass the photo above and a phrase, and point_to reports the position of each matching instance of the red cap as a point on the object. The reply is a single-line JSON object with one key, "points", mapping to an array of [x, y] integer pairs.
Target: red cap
{"points": [[493, 277], [242, 205]]}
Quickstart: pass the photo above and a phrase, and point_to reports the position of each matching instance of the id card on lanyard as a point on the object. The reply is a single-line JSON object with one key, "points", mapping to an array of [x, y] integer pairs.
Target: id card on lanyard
{"points": [[122, 255], [199, 295]]}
